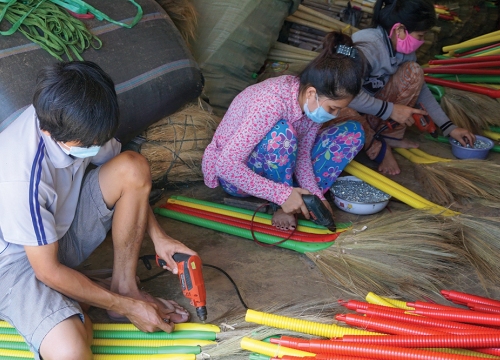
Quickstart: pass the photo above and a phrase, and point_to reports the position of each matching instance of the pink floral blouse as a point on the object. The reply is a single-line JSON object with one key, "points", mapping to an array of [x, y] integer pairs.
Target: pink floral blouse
{"points": [[249, 118]]}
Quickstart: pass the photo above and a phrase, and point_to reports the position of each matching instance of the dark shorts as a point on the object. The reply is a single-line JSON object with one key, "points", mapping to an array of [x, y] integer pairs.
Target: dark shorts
{"points": [[32, 307]]}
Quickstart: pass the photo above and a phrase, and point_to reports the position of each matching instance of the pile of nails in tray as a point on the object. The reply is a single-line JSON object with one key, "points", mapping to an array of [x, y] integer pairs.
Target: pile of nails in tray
{"points": [[478, 144], [358, 191]]}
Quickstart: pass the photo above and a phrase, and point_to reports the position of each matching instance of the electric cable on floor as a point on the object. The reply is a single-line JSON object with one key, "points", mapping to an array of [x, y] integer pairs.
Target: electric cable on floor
{"points": [[145, 259]]}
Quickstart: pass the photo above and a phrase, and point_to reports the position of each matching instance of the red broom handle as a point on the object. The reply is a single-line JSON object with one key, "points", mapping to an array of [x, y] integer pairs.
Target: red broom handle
{"points": [[426, 341], [371, 351], [465, 298], [490, 351], [385, 326], [465, 60], [430, 306], [320, 357], [466, 87], [460, 71], [474, 65], [245, 224], [478, 50], [424, 321], [466, 316], [355, 305], [464, 332], [484, 308]]}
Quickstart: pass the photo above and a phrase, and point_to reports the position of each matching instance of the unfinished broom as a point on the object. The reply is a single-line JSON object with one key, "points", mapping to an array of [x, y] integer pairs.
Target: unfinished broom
{"points": [[409, 254], [183, 15], [461, 181], [234, 327], [471, 111]]}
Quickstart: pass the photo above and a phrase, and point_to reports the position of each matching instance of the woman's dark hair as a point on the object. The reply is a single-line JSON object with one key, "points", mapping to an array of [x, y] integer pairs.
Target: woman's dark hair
{"points": [[76, 101], [415, 15], [333, 74]]}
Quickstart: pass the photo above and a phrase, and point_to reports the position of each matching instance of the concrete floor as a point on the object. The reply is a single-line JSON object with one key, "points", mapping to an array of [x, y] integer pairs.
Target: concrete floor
{"points": [[264, 276]]}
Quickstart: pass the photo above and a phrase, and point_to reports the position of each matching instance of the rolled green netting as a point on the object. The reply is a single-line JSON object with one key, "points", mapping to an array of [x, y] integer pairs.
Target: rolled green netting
{"points": [[301, 247], [135, 335], [136, 350], [49, 26], [301, 222]]}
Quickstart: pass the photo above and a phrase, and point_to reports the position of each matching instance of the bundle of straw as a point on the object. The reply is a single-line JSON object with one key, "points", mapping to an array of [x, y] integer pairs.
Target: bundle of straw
{"points": [[471, 111], [460, 181], [317, 20], [408, 254], [183, 15], [174, 145]]}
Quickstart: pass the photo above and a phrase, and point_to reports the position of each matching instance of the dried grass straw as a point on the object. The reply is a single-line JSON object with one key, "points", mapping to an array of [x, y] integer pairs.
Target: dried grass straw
{"points": [[234, 328], [409, 254], [183, 15], [174, 145], [471, 111], [460, 181]]}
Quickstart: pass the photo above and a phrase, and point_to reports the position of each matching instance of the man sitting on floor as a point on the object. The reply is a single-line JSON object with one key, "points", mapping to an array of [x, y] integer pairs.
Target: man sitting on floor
{"points": [[54, 214]]}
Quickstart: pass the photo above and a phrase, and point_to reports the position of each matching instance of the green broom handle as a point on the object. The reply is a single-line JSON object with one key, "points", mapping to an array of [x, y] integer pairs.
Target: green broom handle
{"points": [[14, 345], [257, 356], [301, 247], [484, 79], [138, 335], [437, 90], [137, 350], [444, 139], [301, 222], [495, 129]]}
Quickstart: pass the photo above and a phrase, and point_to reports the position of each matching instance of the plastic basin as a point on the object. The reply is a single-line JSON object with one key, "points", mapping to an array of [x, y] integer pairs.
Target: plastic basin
{"points": [[461, 152], [357, 207]]}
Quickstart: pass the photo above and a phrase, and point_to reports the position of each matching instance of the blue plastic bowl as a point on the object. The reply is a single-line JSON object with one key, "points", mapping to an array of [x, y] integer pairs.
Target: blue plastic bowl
{"points": [[461, 152]]}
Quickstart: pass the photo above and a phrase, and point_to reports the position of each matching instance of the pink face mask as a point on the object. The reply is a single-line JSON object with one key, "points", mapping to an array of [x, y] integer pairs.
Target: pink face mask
{"points": [[408, 45]]}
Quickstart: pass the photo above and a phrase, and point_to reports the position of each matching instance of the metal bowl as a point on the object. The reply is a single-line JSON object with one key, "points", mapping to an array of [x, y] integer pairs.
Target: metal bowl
{"points": [[354, 207]]}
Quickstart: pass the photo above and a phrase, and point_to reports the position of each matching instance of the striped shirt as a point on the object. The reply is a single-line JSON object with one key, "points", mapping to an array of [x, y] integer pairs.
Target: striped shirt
{"points": [[39, 186]]}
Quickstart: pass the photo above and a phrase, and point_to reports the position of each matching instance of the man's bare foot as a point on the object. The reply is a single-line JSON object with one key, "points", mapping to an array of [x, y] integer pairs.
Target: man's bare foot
{"points": [[404, 143], [283, 221], [389, 164]]}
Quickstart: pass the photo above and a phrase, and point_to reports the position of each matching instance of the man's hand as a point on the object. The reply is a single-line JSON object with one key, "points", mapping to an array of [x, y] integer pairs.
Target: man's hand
{"points": [[148, 317], [402, 114], [294, 204], [461, 134], [166, 247]]}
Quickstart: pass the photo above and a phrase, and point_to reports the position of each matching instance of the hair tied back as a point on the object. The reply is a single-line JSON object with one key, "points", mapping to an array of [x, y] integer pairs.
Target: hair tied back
{"points": [[347, 51]]}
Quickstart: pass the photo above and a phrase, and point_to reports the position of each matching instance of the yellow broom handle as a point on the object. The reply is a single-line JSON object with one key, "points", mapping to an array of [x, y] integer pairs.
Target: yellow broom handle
{"points": [[373, 298], [271, 350], [391, 187], [425, 155], [492, 135], [398, 303], [11, 338], [488, 53], [21, 354], [414, 158], [178, 327], [471, 43], [151, 343], [243, 216], [303, 326]]}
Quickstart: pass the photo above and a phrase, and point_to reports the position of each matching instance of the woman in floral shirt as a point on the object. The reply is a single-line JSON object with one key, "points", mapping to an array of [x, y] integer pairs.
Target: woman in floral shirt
{"points": [[270, 138]]}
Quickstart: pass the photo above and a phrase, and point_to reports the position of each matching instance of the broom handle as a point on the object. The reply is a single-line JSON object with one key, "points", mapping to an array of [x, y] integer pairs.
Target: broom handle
{"points": [[467, 87], [469, 65], [461, 71], [464, 60]]}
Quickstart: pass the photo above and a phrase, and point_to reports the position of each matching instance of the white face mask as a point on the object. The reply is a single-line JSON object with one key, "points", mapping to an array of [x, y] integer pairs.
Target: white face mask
{"points": [[80, 152]]}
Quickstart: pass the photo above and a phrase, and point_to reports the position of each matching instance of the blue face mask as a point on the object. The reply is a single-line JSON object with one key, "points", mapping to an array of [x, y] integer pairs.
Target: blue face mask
{"points": [[81, 152], [319, 115]]}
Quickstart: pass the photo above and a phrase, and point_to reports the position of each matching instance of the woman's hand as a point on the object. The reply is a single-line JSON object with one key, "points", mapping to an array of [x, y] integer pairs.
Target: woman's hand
{"points": [[463, 136], [402, 114], [294, 204]]}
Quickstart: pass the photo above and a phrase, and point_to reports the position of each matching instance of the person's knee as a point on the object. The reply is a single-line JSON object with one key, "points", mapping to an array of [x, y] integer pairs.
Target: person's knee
{"points": [[134, 169], [356, 128], [68, 340], [414, 72]]}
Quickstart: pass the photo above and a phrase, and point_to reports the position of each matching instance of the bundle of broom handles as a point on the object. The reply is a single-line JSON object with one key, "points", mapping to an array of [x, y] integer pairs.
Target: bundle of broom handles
{"points": [[419, 330]]}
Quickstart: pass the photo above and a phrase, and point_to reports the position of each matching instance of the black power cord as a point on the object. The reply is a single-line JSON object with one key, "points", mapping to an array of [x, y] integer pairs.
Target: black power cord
{"points": [[145, 259]]}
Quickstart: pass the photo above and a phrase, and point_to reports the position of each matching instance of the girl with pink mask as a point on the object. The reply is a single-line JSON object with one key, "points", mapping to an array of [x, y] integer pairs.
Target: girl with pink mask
{"points": [[394, 84]]}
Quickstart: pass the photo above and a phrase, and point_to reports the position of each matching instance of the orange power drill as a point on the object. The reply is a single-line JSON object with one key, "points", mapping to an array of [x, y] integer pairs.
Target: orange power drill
{"points": [[191, 278], [425, 123]]}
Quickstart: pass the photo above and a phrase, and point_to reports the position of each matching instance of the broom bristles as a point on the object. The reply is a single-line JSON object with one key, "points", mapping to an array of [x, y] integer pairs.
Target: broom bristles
{"points": [[409, 254], [183, 15], [461, 180], [471, 111]]}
